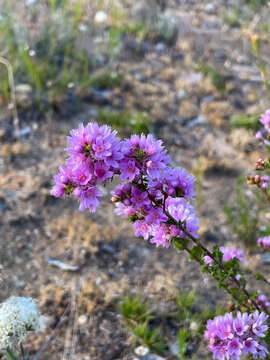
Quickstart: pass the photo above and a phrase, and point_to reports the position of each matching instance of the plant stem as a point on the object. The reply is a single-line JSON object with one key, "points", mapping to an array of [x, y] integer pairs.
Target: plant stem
{"points": [[10, 355], [207, 252]]}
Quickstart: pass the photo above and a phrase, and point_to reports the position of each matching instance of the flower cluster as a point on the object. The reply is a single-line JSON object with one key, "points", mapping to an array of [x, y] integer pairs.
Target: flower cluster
{"points": [[264, 242], [230, 337], [260, 181], [153, 195], [265, 121], [18, 316], [262, 301], [228, 254], [94, 155]]}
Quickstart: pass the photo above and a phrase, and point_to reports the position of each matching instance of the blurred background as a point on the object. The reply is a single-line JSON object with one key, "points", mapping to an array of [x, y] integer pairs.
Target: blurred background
{"points": [[193, 73]]}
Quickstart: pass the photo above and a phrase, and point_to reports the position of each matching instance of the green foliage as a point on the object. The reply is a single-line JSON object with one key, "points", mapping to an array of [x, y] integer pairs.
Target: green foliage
{"points": [[185, 301], [182, 343], [180, 244], [255, 4], [135, 309], [190, 317], [217, 78], [138, 316], [135, 123], [196, 253], [150, 338], [57, 55], [106, 80], [10, 355], [243, 216], [231, 17], [245, 121]]}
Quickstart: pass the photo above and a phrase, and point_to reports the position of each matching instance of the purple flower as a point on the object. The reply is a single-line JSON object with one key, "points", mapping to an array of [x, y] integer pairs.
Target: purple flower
{"points": [[155, 216], [151, 189], [232, 253], [62, 181], [262, 301], [259, 327], [265, 120], [264, 242], [81, 174], [128, 170], [161, 236], [207, 260], [230, 337], [234, 347], [142, 229], [264, 182], [250, 346], [102, 171], [88, 198]]}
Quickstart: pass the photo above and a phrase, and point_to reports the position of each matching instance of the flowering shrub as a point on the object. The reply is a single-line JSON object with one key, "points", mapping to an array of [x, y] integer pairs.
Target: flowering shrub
{"points": [[157, 198], [18, 316]]}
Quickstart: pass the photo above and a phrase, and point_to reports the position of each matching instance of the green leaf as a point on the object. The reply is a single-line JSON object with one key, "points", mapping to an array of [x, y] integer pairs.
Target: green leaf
{"points": [[182, 343], [10, 355], [196, 252], [180, 244]]}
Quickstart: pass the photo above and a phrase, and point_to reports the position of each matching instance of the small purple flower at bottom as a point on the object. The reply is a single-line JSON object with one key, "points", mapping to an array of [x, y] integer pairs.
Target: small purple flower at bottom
{"points": [[264, 242], [265, 120], [231, 337]]}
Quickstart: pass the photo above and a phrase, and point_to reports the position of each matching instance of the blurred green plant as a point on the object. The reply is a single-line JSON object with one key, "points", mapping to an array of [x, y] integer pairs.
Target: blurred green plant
{"points": [[255, 4], [133, 308], [190, 317], [245, 121], [217, 78], [54, 56], [132, 122], [243, 216], [137, 317], [231, 17]]}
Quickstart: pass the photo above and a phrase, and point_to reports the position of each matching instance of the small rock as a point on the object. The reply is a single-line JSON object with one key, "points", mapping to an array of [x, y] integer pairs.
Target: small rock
{"points": [[210, 8], [141, 351], [23, 88], [181, 94], [100, 17], [25, 131], [194, 326], [82, 320], [187, 109], [160, 47], [30, 2], [174, 348], [153, 357], [265, 258], [200, 120]]}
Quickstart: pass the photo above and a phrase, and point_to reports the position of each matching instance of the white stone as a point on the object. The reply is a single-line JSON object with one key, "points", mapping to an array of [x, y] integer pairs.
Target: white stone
{"points": [[100, 17], [210, 8], [141, 351]]}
